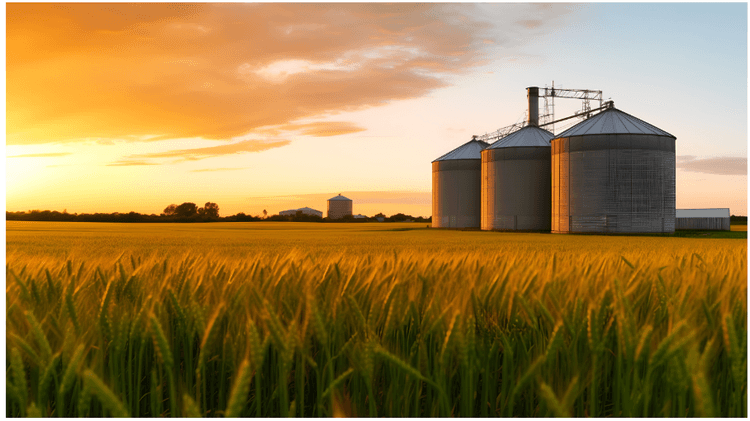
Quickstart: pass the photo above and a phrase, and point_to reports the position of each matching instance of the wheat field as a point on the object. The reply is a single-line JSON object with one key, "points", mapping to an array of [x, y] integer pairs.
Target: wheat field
{"points": [[395, 320]]}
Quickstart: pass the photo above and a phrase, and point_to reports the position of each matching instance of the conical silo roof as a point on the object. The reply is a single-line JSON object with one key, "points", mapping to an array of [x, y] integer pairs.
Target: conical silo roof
{"points": [[469, 150], [529, 136], [339, 197], [613, 121]]}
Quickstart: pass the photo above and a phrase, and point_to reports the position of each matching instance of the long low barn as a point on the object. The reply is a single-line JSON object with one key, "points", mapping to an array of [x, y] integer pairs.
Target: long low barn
{"points": [[702, 219], [305, 210]]}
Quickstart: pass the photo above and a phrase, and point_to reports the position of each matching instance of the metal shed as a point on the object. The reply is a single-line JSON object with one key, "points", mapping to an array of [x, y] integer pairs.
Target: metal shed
{"points": [[305, 210], [703, 219], [516, 181], [456, 187], [613, 173]]}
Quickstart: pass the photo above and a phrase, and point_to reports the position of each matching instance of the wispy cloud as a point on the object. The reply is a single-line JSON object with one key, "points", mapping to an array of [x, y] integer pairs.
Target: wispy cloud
{"points": [[211, 151], [684, 158], [219, 71], [316, 129], [720, 165], [219, 169], [127, 163], [530, 23], [324, 128], [41, 155]]}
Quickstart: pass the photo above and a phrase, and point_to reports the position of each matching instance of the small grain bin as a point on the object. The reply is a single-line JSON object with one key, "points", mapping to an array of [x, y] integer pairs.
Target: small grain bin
{"points": [[456, 187], [339, 207], [613, 173], [516, 181]]}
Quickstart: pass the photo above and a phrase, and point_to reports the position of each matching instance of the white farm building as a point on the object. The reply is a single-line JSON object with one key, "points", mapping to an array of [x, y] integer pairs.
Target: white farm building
{"points": [[702, 219], [305, 210]]}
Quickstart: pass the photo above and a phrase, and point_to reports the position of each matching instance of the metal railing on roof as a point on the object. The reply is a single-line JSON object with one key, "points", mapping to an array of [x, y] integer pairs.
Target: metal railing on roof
{"points": [[505, 131], [501, 132]]}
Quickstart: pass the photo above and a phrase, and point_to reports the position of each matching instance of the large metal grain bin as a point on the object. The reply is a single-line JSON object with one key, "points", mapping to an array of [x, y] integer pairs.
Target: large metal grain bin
{"points": [[613, 173], [516, 181], [456, 187], [339, 207]]}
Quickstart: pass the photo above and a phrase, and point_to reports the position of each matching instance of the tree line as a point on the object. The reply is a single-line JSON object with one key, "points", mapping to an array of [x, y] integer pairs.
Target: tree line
{"points": [[738, 220], [301, 217], [190, 212]]}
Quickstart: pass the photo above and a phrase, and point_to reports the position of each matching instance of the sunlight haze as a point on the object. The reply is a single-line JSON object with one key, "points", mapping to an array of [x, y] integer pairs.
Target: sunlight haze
{"points": [[132, 107]]}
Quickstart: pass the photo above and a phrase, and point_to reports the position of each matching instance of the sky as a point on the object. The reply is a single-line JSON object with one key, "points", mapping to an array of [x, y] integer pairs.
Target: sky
{"points": [[132, 107]]}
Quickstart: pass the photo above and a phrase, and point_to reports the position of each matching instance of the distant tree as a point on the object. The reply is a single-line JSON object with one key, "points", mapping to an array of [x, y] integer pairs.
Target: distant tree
{"points": [[186, 210], [265, 214], [169, 210], [380, 215], [211, 210], [399, 217]]}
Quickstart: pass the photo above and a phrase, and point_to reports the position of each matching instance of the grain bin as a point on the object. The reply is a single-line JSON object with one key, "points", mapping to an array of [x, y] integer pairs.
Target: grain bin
{"points": [[613, 173], [339, 207], [456, 187], [516, 181]]}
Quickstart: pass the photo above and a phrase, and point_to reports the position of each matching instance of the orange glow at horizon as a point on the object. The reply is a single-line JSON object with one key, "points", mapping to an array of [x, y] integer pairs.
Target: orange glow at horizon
{"points": [[115, 107]]}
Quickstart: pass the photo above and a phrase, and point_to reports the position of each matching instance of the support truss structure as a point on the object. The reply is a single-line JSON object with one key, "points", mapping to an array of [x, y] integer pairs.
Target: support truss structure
{"points": [[549, 93]]}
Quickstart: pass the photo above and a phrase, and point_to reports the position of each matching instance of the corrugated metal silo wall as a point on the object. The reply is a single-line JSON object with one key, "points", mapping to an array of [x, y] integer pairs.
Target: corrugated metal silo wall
{"points": [[339, 208], [613, 183], [456, 192], [516, 188]]}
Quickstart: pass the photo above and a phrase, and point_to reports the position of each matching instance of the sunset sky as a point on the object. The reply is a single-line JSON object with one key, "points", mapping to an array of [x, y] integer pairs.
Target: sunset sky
{"points": [[118, 108]]}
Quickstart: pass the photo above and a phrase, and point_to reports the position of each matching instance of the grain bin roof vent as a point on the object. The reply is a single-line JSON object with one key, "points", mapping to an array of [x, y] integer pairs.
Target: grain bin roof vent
{"points": [[469, 150], [613, 121], [529, 136]]}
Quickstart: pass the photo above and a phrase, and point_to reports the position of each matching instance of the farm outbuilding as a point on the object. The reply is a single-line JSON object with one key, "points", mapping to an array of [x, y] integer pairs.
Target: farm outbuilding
{"points": [[456, 187], [613, 173], [702, 219], [305, 211], [339, 207]]}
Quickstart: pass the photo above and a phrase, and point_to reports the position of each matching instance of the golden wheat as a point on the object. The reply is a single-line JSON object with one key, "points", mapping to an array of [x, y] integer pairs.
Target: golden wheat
{"points": [[381, 319]]}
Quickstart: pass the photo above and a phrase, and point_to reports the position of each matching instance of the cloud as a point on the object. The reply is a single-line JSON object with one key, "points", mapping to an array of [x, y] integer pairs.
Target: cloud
{"points": [[211, 151], [684, 158], [530, 23], [40, 155], [219, 169], [720, 165], [316, 129], [219, 71], [127, 163], [324, 128]]}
